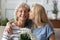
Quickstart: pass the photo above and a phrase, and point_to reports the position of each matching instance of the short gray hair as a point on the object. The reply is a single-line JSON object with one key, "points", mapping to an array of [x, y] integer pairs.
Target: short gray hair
{"points": [[21, 5]]}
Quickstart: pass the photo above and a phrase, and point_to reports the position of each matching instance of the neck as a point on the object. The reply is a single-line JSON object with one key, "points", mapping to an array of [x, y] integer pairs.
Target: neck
{"points": [[20, 24], [38, 24]]}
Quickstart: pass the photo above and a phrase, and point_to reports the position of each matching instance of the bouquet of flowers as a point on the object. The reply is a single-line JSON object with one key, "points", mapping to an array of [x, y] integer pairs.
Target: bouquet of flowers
{"points": [[26, 34]]}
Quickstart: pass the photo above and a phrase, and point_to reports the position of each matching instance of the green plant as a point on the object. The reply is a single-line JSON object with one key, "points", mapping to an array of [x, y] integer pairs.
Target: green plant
{"points": [[12, 19], [55, 9], [24, 37], [3, 23]]}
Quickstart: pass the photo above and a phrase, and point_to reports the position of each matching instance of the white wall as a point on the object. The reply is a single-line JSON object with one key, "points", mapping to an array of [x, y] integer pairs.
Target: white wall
{"points": [[0, 6], [59, 9], [8, 7]]}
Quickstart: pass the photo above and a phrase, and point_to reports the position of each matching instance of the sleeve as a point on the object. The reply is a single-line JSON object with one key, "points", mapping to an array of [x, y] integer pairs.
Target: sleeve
{"points": [[6, 35], [49, 30]]}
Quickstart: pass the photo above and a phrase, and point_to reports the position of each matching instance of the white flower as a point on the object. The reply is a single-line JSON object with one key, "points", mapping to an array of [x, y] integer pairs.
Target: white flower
{"points": [[28, 31]]}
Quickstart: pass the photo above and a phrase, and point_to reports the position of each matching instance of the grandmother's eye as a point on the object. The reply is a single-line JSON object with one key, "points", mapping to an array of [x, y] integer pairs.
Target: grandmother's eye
{"points": [[20, 11]]}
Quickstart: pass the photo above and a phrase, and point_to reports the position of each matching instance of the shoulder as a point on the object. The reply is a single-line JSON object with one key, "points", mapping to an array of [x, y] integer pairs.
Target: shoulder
{"points": [[49, 29], [47, 25], [10, 25]]}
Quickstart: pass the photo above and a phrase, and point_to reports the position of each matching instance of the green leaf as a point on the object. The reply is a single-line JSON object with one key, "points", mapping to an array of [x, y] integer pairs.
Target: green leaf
{"points": [[24, 37]]}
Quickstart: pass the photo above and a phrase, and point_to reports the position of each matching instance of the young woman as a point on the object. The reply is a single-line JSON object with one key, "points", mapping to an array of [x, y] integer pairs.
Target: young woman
{"points": [[42, 27]]}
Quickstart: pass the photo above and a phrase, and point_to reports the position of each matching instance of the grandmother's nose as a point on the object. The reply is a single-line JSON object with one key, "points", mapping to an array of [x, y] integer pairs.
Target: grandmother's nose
{"points": [[23, 13]]}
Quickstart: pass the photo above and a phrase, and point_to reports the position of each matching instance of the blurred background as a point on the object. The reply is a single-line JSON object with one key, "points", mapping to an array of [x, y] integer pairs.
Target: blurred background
{"points": [[52, 8]]}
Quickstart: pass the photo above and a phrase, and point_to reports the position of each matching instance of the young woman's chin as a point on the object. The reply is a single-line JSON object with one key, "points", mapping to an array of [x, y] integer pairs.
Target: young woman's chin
{"points": [[31, 18]]}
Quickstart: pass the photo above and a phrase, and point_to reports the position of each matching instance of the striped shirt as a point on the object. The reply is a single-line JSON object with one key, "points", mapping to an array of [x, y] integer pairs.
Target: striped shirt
{"points": [[14, 35]]}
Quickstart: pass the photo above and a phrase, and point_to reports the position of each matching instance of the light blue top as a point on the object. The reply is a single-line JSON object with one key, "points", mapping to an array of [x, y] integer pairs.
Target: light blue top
{"points": [[44, 32]]}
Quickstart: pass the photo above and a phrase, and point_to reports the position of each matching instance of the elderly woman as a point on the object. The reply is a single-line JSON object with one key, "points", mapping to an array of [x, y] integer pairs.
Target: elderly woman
{"points": [[21, 15]]}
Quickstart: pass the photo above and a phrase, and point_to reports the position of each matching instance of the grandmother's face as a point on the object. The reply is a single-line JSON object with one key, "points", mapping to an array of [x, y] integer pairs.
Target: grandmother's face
{"points": [[22, 14]]}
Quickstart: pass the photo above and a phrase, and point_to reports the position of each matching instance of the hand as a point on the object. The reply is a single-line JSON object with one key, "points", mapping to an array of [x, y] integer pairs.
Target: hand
{"points": [[9, 27], [52, 37]]}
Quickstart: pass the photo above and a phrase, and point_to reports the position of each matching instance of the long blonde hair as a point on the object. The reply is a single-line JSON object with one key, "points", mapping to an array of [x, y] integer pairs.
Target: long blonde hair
{"points": [[42, 16], [40, 11]]}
